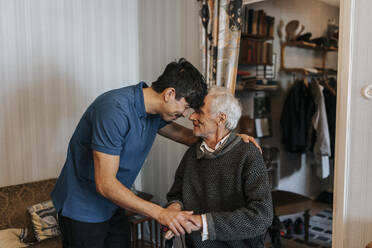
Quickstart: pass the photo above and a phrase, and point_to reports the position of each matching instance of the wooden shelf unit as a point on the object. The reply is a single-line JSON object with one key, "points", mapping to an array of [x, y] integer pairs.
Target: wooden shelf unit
{"points": [[304, 45]]}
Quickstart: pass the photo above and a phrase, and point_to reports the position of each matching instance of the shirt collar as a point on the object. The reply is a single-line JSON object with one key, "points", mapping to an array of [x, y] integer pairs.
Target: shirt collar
{"points": [[204, 145], [139, 101]]}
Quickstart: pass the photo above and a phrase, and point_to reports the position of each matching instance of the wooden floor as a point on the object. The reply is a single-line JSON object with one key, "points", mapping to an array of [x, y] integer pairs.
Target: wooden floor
{"points": [[289, 244], [292, 244]]}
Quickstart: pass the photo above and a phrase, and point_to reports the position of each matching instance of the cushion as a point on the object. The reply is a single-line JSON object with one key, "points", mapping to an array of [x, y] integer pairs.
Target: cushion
{"points": [[44, 220], [29, 234], [10, 238]]}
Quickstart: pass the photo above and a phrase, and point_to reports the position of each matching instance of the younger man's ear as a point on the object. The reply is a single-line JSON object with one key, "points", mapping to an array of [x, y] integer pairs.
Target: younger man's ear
{"points": [[169, 94]]}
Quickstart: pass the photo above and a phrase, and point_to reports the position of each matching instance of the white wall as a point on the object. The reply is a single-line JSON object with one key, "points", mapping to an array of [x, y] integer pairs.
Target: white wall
{"points": [[55, 58], [296, 174], [168, 30]]}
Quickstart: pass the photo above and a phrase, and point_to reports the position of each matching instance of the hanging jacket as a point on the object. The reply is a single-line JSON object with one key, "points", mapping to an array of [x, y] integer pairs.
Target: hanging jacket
{"points": [[330, 103], [298, 109], [322, 144]]}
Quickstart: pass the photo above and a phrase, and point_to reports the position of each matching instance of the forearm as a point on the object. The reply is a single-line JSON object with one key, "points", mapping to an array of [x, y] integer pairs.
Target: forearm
{"points": [[105, 171], [179, 134], [115, 191], [175, 219]]}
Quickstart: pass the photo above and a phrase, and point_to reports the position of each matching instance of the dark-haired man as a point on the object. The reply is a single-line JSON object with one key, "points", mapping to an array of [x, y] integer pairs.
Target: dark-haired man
{"points": [[107, 151]]}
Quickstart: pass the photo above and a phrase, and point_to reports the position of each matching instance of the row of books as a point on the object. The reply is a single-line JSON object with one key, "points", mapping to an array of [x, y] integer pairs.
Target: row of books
{"points": [[255, 52], [256, 22]]}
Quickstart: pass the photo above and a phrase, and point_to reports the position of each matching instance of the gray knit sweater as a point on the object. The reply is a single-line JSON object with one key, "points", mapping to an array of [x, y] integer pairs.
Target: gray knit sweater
{"points": [[231, 187]]}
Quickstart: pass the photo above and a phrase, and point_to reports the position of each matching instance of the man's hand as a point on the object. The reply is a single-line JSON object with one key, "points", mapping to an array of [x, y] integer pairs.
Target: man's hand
{"points": [[174, 206], [197, 221], [247, 139], [177, 221], [195, 224]]}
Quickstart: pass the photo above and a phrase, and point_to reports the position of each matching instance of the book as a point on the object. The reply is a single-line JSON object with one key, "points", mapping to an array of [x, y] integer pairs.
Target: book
{"points": [[254, 22], [264, 51], [263, 23], [244, 20], [250, 20], [247, 51], [269, 53], [259, 53], [243, 73], [259, 21], [270, 26]]}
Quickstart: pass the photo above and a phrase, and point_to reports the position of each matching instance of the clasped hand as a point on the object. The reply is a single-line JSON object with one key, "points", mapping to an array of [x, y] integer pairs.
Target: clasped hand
{"points": [[179, 221]]}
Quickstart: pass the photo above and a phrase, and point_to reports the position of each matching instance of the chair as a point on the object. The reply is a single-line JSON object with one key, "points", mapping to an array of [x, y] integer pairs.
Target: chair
{"points": [[137, 222]]}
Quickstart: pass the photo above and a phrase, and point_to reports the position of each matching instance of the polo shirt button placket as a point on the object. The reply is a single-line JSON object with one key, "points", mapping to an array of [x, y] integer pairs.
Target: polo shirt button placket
{"points": [[143, 128]]}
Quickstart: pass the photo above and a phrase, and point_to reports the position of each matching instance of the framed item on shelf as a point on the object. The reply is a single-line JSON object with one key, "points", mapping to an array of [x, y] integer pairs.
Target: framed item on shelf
{"points": [[258, 127], [246, 125], [262, 106], [262, 127]]}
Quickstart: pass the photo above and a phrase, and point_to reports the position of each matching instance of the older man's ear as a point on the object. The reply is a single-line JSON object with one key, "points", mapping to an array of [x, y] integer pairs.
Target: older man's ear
{"points": [[247, 139], [222, 119]]}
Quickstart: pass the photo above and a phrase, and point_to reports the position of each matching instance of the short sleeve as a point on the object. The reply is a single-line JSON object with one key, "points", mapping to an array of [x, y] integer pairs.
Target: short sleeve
{"points": [[162, 123], [109, 127]]}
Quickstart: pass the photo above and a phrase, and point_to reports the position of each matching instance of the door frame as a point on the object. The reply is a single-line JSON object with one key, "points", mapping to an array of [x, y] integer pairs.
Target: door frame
{"points": [[341, 180]]}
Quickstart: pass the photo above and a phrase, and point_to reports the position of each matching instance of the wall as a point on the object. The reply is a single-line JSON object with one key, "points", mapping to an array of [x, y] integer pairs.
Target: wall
{"points": [[296, 173], [56, 57], [169, 31]]}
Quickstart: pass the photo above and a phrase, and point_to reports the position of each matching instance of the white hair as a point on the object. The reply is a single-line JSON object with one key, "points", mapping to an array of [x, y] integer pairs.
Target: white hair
{"points": [[224, 101]]}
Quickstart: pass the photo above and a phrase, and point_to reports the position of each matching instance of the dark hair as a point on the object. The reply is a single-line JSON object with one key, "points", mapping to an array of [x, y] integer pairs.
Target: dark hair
{"points": [[186, 80]]}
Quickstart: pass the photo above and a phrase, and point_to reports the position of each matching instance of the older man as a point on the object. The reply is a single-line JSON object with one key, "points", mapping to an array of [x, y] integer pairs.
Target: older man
{"points": [[223, 180]]}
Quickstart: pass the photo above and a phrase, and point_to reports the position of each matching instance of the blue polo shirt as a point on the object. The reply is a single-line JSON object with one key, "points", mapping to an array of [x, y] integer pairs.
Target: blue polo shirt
{"points": [[115, 123]]}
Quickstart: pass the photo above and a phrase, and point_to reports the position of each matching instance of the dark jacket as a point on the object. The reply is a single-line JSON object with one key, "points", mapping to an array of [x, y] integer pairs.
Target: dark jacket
{"points": [[295, 122]]}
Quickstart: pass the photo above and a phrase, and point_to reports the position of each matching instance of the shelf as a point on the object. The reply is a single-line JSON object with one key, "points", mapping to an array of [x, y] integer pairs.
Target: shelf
{"points": [[254, 64], [305, 45], [306, 71], [296, 70], [257, 37], [251, 1], [309, 45], [257, 88]]}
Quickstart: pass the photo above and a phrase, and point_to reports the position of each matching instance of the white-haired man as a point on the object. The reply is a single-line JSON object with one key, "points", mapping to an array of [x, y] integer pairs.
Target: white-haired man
{"points": [[222, 179]]}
